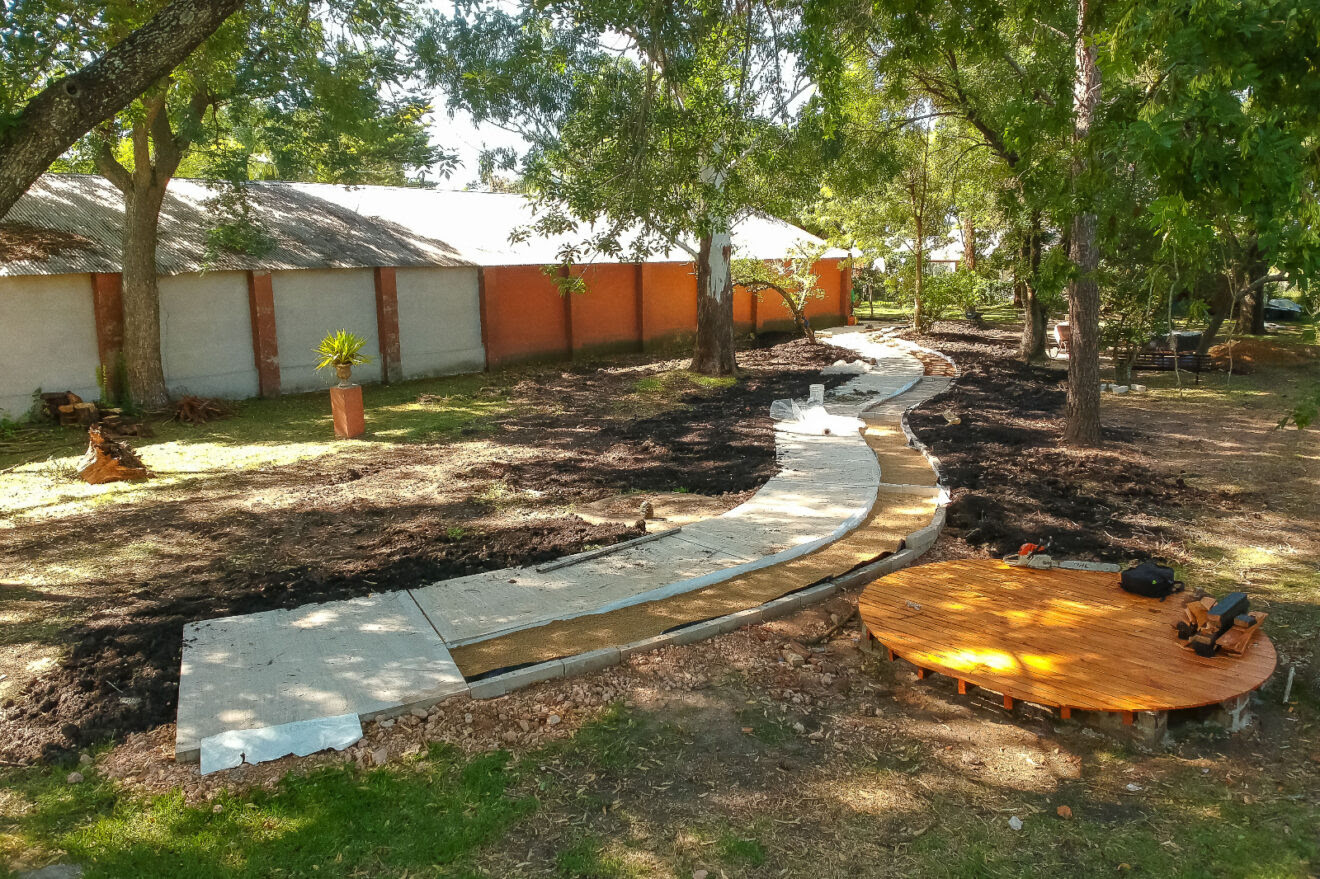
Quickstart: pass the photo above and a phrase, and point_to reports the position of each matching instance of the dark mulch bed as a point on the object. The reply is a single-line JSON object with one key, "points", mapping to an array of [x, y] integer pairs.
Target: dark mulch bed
{"points": [[122, 672], [1011, 478]]}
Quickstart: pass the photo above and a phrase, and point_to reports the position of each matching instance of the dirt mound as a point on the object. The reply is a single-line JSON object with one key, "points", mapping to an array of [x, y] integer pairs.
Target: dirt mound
{"points": [[1012, 480], [1243, 354]]}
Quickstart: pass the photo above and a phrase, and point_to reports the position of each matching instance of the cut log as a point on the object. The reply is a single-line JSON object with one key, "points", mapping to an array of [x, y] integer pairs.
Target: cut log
{"points": [[109, 461]]}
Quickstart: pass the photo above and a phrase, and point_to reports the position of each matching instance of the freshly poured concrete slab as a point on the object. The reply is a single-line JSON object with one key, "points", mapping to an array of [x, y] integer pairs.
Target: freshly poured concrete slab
{"points": [[302, 737], [474, 608], [360, 656]]}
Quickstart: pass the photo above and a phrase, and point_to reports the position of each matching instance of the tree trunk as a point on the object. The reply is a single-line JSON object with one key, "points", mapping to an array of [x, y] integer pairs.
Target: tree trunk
{"points": [[1082, 411], [919, 254], [1034, 316], [714, 351], [969, 244], [1221, 303], [146, 378], [70, 107], [803, 324]]}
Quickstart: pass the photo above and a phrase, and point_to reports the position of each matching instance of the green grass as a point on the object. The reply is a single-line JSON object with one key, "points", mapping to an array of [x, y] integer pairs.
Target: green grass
{"points": [[740, 849], [588, 858], [677, 381], [430, 814], [423, 410]]}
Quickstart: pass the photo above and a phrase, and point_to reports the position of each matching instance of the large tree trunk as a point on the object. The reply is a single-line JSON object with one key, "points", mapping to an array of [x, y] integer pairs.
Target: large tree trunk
{"points": [[1082, 412], [969, 244], [919, 254], [1034, 316], [146, 378], [1251, 318], [714, 351], [1221, 304], [70, 107]]}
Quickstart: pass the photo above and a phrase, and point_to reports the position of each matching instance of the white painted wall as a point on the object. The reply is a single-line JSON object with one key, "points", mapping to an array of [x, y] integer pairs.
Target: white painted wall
{"points": [[439, 321], [206, 335], [311, 303], [47, 339]]}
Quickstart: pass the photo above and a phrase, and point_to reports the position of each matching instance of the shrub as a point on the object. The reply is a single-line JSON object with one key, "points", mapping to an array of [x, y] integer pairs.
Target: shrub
{"points": [[341, 349]]}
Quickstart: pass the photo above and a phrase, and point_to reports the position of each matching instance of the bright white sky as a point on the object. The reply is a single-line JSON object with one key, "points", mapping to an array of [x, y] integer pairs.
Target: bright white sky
{"points": [[460, 134]]}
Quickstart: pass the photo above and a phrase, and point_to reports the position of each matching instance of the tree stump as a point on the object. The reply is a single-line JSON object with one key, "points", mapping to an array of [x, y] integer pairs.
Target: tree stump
{"points": [[109, 461]]}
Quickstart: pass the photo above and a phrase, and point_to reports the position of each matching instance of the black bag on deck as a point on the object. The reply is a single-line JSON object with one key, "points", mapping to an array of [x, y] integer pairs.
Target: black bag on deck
{"points": [[1150, 580]]}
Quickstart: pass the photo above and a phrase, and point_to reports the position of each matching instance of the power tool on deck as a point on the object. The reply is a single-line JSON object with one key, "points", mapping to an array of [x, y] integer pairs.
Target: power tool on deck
{"points": [[1031, 555], [1209, 626]]}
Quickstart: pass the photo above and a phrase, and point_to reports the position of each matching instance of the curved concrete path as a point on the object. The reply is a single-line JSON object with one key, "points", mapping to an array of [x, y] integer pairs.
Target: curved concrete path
{"points": [[384, 654]]}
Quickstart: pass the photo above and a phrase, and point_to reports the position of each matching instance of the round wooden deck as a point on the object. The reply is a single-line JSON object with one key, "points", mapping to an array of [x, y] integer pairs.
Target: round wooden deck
{"points": [[1060, 638]]}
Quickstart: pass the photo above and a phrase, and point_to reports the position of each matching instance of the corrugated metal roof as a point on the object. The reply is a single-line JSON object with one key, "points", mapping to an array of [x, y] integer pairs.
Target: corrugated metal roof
{"points": [[309, 232], [317, 225]]}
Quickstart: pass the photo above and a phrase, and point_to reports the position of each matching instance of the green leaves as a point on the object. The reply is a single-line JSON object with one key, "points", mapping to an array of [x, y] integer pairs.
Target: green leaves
{"points": [[655, 122], [341, 348]]}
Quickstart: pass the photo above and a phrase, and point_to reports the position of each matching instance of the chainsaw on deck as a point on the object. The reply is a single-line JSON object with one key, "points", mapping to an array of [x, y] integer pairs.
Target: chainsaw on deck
{"points": [[1031, 555]]}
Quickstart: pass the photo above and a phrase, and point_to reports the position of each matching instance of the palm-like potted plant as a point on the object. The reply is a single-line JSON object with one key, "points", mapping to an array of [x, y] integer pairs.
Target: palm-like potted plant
{"points": [[343, 351]]}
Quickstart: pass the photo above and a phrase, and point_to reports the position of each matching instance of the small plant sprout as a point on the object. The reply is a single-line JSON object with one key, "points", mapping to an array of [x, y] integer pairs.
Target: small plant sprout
{"points": [[343, 351]]}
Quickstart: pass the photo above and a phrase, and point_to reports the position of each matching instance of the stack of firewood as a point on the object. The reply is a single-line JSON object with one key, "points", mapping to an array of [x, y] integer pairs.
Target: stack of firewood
{"points": [[69, 409]]}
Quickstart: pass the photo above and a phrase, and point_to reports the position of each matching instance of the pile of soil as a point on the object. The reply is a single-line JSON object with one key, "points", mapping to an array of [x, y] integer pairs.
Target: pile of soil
{"points": [[352, 534], [1014, 482], [1245, 354]]}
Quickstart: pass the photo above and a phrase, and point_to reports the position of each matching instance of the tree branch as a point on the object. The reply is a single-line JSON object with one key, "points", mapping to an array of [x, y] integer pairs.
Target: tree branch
{"points": [[54, 119]]}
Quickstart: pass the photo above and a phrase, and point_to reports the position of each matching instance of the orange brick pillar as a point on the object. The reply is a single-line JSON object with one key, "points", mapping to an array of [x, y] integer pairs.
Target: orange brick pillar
{"points": [[568, 312], [265, 350], [639, 287], [108, 311], [845, 290], [387, 325], [346, 409]]}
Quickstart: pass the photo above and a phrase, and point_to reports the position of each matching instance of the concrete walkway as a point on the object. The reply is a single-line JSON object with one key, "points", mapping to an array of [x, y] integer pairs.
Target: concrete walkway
{"points": [[385, 654]]}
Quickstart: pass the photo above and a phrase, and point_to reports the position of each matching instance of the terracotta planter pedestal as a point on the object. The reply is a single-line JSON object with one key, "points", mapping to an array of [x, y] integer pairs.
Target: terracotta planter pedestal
{"points": [[346, 405]]}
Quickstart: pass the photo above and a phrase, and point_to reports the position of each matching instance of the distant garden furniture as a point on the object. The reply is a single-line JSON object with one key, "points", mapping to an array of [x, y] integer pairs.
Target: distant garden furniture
{"points": [[1062, 339], [1167, 361]]}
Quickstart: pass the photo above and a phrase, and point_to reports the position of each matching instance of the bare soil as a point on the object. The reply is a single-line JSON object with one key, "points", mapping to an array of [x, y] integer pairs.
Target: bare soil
{"points": [[123, 584], [1014, 482]]}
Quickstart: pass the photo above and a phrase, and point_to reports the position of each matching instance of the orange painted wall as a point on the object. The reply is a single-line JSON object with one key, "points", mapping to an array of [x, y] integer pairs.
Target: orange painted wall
{"points": [[742, 310], [669, 303], [773, 314], [525, 315], [526, 318], [825, 311], [605, 315]]}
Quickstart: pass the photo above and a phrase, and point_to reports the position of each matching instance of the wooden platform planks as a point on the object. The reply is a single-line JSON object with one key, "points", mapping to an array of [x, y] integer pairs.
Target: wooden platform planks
{"points": [[1069, 639]]}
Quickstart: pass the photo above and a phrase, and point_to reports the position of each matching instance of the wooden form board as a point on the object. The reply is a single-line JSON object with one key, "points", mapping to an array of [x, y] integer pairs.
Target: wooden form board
{"points": [[1061, 638]]}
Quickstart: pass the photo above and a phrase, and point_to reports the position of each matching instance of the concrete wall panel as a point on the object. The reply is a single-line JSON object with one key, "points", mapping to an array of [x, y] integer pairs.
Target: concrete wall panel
{"points": [[605, 314], [526, 316], [311, 303], [47, 339], [206, 335], [439, 321]]}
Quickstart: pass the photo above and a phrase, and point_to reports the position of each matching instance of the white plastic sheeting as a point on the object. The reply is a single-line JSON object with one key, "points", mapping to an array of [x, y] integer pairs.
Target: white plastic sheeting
{"points": [[812, 420]]}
